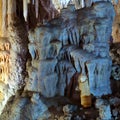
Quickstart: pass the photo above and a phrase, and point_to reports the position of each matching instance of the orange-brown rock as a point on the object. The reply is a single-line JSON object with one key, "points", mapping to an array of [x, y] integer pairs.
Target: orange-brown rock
{"points": [[116, 25], [1, 96]]}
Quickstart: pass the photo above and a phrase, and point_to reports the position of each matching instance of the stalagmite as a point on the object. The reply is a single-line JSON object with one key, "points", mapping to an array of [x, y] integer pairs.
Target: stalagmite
{"points": [[85, 91], [25, 9], [36, 7]]}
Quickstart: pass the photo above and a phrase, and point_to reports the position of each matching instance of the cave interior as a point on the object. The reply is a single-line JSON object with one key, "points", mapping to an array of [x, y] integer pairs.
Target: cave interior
{"points": [[59, 59]]}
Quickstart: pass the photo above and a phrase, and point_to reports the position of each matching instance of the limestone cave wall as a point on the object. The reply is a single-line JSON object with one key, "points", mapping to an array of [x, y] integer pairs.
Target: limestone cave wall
{"points": [[56, 48]]}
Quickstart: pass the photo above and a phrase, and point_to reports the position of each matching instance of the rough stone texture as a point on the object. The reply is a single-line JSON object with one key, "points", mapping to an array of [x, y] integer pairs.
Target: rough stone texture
{"points": [[59, 4], [109, 108], [23, 109], [115, 53], [75, 42], [115, 73], [80, 45], [15, 63], [69, 109], [104, 109]]}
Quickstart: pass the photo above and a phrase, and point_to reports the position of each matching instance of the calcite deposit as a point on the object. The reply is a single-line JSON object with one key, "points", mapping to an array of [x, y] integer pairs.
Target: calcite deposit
{"points": [[76, 42], [58, 50]]}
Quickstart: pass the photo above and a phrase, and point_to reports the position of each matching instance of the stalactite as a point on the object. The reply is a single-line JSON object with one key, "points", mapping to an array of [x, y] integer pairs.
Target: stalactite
{"points": [[36, 7], [28, 1], [11, 11], [0, 17], [4, 14], [82, 3], [25, 9], [33, 2]]}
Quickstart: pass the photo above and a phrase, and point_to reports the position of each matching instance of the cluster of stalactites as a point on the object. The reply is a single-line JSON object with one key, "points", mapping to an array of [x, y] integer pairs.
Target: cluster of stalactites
{"points": [[7, 12], [25, 8], [36, 12], [59, 4]]}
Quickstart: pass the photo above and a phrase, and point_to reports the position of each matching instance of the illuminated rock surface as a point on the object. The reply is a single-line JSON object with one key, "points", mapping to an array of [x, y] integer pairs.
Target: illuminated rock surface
{"points": [[12, 59], [66, 45], [74, 36]]}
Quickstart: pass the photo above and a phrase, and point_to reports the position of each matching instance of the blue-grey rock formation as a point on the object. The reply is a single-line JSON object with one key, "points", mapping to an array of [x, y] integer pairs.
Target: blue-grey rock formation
{"points": [[75, 42]]}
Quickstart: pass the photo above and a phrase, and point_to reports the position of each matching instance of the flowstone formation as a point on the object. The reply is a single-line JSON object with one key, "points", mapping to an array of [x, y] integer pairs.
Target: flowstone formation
{"points": [[75, 42], [69, 57]]}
